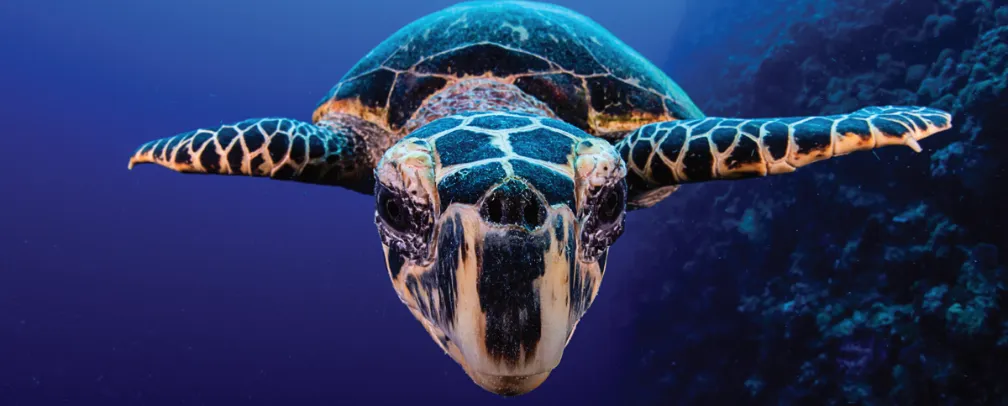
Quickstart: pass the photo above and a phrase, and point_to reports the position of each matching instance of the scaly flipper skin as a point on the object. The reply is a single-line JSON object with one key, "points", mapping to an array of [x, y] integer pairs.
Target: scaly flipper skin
{"points": [[660, 156], [278, 148]]}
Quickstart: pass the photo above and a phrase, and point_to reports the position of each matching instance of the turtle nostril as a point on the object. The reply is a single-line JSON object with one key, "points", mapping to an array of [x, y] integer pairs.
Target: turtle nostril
{"points": [[494, 209], [512, 203], [533, 214]]}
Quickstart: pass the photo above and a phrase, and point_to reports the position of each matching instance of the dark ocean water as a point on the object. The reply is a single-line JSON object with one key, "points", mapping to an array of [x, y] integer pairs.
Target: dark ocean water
{"points": [[147, 287]]}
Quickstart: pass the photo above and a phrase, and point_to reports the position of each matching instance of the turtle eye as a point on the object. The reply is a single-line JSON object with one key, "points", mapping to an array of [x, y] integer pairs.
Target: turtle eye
{"points": [[405, 222], [392, 211], [612, 203], [602, 220]]}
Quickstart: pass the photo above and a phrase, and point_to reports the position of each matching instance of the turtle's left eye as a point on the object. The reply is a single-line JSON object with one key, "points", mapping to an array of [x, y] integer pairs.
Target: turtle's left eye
{"points": [[602, 218], [612, 204]]}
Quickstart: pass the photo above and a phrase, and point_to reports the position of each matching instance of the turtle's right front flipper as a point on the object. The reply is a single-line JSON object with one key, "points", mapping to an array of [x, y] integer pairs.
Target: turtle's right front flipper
{"points": [[277, 148]]}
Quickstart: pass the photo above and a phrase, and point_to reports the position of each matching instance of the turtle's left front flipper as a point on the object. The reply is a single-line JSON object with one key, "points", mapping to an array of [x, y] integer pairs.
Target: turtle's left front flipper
{"points": [[660, 156], [276, 148]]}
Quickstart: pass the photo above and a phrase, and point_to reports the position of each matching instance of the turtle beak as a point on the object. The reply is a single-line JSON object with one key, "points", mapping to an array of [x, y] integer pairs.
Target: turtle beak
{"points": [[513, 315], [506, 288]]}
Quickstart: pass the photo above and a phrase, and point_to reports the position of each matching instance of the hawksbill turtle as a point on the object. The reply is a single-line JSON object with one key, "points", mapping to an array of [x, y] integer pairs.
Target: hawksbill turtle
{"points": [[504, 143]]}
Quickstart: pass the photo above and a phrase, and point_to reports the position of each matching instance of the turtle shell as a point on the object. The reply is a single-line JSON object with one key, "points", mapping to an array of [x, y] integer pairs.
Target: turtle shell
{"points": [[583, 73]]}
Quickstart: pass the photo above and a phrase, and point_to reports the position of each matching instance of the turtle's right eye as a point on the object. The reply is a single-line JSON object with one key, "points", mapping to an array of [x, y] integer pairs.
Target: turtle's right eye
{"points": [[392, 211], [405, 221]]}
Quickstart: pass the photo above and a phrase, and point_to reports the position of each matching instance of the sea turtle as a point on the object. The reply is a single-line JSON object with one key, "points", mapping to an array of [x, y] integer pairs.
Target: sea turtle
{"points": [[504, 143]]}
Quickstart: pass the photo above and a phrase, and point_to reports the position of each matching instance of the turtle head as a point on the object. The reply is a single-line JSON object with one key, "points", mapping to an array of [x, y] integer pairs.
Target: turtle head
{"points": [[499, 258]]}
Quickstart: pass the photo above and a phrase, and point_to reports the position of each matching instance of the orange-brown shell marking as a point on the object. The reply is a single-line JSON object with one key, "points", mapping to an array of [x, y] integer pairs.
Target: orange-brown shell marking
{"points": [[572, 65]]}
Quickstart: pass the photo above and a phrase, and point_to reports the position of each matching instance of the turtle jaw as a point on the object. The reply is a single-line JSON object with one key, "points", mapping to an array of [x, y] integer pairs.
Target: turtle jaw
{"points": [[509, 385], [501, 300]]}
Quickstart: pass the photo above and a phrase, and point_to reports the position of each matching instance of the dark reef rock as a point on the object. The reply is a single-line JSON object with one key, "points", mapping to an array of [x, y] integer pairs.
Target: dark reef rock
{"points": [[877, 278]]}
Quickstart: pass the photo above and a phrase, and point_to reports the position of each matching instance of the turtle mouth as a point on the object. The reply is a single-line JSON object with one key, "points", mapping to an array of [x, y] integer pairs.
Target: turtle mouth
{"points": [[509, 385], [500, 299]]}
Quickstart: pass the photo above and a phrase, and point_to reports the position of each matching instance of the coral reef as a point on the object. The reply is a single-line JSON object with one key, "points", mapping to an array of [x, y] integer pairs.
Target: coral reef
{"points": [[871, 279]]}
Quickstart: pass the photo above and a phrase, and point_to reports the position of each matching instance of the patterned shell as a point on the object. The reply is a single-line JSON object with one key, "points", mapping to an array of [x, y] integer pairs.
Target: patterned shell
{"points": [[583, 73]]}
